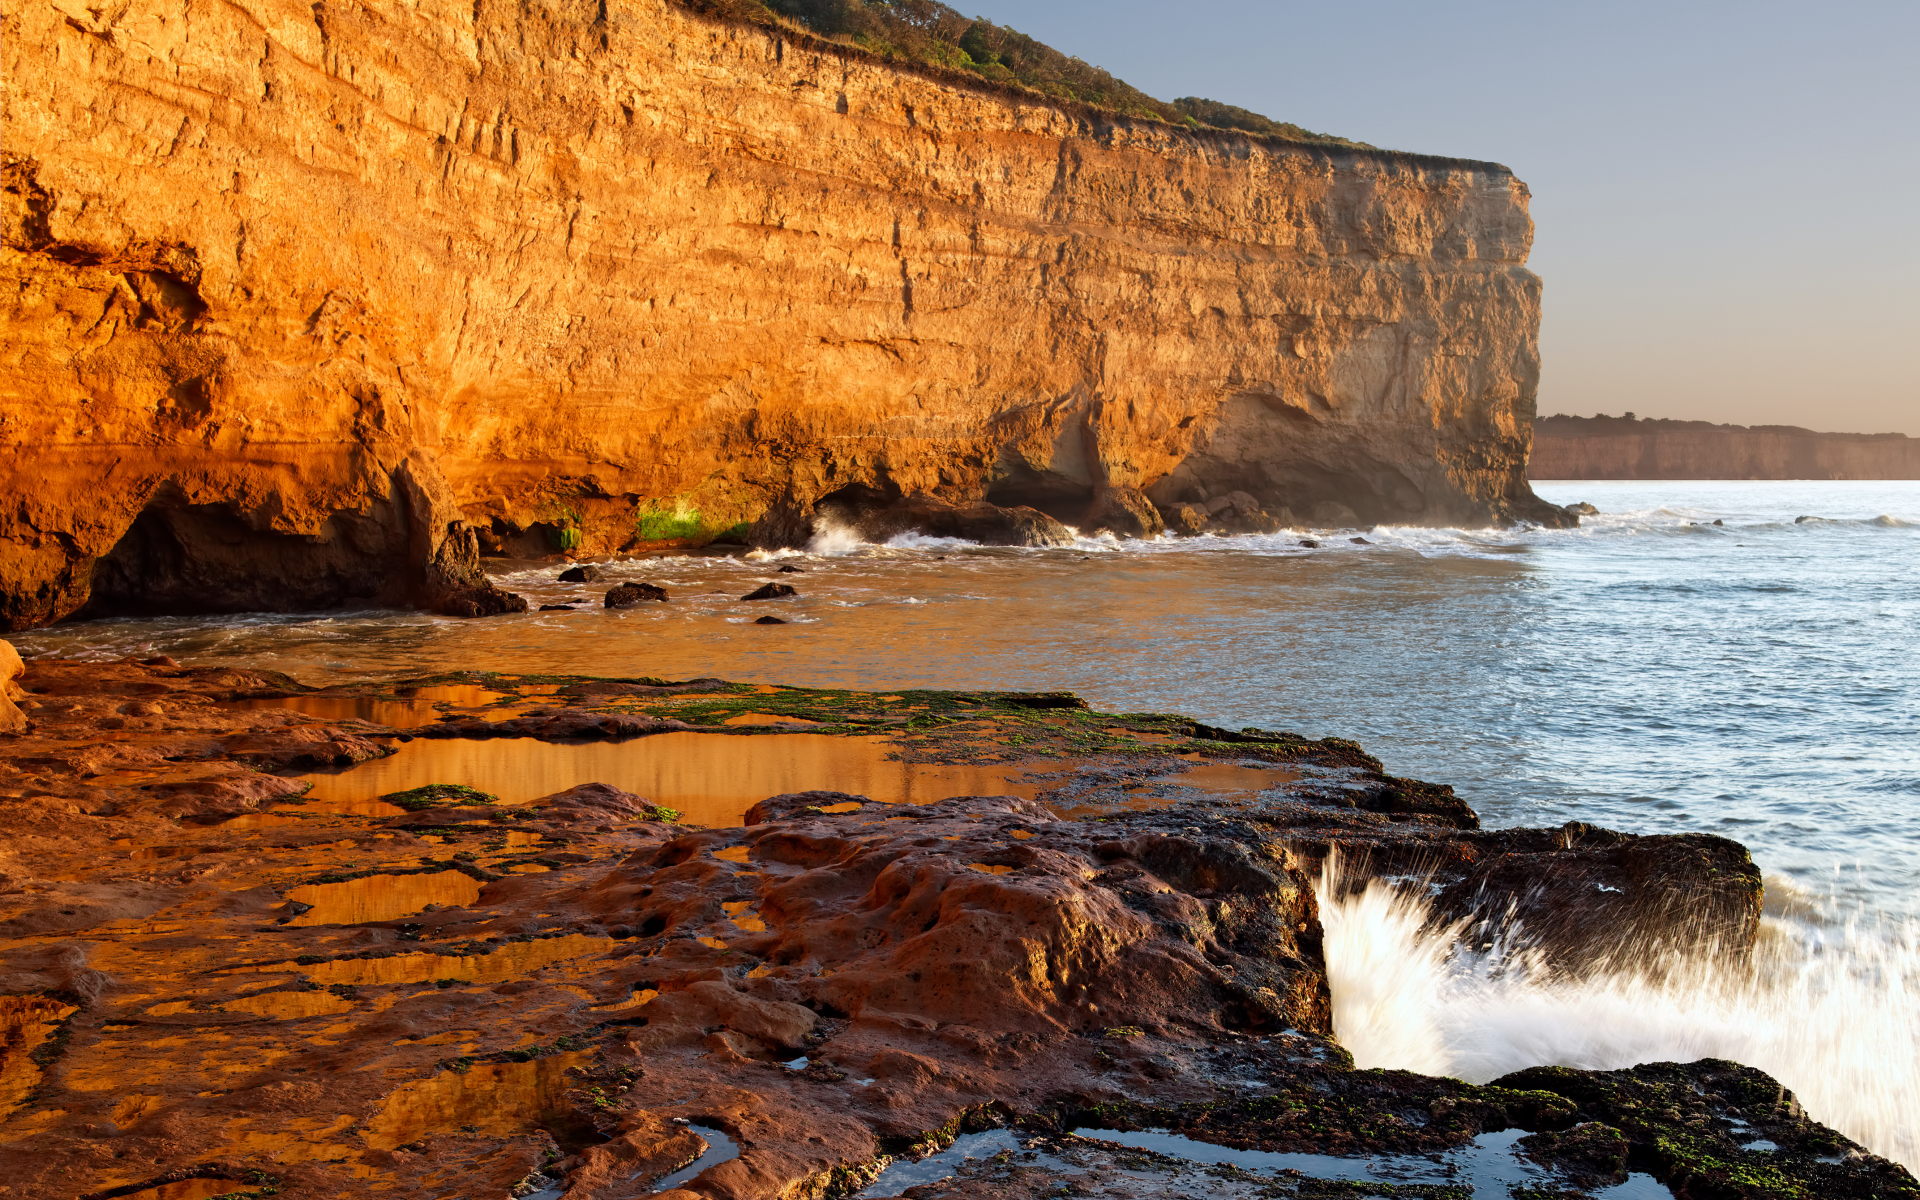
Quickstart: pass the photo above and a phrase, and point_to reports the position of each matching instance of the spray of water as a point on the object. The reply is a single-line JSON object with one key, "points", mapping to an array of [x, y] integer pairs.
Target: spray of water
{"points": [[1830, 1010]]}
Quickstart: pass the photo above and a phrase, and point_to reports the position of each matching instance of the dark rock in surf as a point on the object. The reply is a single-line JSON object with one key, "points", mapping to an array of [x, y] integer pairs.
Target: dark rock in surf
{"points": [[629, 594], [1360, 541], [771, 591], [586, 573], [770, 620], [556, 608], [790, 569], [1125, 511], [1582, 509], [1688, 1124], [1309, 543], [877, 518], [1184, 520], [486, 601]]}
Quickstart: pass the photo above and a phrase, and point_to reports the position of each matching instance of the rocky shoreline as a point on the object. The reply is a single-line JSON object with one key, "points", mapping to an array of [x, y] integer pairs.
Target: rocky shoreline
{"points": [[221, 977]]}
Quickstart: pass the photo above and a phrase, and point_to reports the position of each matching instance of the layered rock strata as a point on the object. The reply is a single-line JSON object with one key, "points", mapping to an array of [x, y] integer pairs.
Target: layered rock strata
{"points": [[219, 986], [306, 304], [1624, 448]]}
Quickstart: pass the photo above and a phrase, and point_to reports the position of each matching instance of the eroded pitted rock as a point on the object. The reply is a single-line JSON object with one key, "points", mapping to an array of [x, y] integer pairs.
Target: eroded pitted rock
{"points": [[481, 992]]}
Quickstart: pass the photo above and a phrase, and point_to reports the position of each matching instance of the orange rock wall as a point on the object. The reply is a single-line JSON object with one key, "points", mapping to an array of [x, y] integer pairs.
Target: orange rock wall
{"points": [[319, 285]]}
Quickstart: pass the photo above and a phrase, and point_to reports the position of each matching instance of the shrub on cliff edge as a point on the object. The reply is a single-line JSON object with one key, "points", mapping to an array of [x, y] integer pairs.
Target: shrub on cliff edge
{"points": [[927, 31]]}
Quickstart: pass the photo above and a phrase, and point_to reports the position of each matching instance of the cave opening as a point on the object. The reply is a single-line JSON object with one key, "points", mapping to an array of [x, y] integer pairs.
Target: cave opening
{"points": [[1062, 498], [186, 559]]}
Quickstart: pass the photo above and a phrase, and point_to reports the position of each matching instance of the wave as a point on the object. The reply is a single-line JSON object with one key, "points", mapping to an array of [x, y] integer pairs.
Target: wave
{"points": [[1830, 1009]]}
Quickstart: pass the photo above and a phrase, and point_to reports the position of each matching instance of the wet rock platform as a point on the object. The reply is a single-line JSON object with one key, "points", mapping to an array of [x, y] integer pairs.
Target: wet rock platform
{"points": [[934, 944]]}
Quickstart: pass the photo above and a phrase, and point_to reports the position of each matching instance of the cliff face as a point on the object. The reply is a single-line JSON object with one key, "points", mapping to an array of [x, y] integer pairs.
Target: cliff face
{"points": [[308, 303], [1620, 448]]}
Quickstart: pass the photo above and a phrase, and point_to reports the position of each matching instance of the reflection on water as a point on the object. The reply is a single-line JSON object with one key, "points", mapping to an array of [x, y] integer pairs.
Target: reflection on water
{"points": [[290, 1006], [283, 1006], [192, 1189], [382, 897], [1227, 778], [711, 778], [514, 960], [492, 1099], [25, 1023], [760, 718], [415, 708], [295, 811]]}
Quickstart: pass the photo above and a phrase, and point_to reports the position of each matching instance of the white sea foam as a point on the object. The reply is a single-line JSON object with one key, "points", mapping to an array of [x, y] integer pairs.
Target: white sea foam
{"points": [[1832, 1010], [834, 540]]}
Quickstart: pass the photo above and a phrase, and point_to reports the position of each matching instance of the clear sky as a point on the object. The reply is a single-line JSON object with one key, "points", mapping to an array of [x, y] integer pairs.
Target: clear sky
{"points": [[1727, 196]]}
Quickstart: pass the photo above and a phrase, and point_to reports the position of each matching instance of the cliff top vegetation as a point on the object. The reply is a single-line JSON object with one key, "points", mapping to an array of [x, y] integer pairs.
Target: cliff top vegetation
{"points": [[931, 33], [1602, 425]]}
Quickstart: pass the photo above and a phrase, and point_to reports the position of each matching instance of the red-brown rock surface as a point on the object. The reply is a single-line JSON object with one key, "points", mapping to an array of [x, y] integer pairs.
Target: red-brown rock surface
{"points": [[211, 982], [306, 304]]}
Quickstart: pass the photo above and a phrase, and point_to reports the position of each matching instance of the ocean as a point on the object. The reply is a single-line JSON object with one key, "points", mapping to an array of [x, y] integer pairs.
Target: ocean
{"points": [[1739, 658]]}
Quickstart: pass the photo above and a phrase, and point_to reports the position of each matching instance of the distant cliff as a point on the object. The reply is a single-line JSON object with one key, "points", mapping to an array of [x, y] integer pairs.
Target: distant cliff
{"points": [[1626, 448], [312, 303]]}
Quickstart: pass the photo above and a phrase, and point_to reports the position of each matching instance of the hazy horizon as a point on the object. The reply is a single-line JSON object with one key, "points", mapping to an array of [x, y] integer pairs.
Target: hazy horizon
{"points": [[1722, 196]]}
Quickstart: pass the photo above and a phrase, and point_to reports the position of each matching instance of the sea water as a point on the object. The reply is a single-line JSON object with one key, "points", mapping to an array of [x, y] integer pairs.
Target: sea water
{"points": [[1740, 658]]}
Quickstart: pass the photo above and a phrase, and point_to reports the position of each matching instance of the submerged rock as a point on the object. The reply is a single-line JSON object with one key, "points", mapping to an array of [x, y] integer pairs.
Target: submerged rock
{"points": [[585, 573], [629, 594], [771, 591]]}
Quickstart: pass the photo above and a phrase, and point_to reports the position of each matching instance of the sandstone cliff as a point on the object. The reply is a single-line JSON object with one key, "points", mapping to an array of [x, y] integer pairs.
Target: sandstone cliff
{"points": [[1624, 448], [309, 303]]}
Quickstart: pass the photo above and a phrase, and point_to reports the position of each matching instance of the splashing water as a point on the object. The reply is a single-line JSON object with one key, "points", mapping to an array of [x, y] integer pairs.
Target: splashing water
{"points": [[1830, 1010]]}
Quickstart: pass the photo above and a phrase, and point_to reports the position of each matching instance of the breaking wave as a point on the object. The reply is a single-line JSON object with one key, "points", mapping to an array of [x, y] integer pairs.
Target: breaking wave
{"points": [[1830, 1009]]}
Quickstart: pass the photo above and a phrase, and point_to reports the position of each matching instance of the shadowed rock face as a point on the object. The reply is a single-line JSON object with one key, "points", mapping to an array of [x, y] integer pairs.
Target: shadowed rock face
{"points": [[206, 974], [303, 304]]}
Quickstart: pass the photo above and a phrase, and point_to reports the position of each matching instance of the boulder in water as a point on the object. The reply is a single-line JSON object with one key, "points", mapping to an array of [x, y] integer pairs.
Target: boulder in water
{"points": [[1309, 543], [876, 518], [771, 591], [790, 569], [1582, 509], [1125, 511], [584, 573], [629, 594], [770, 620], [1184, 520]]}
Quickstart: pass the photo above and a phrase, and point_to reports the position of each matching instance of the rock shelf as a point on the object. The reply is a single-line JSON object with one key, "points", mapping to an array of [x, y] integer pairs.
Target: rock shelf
{"points": [[231, 969]]}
